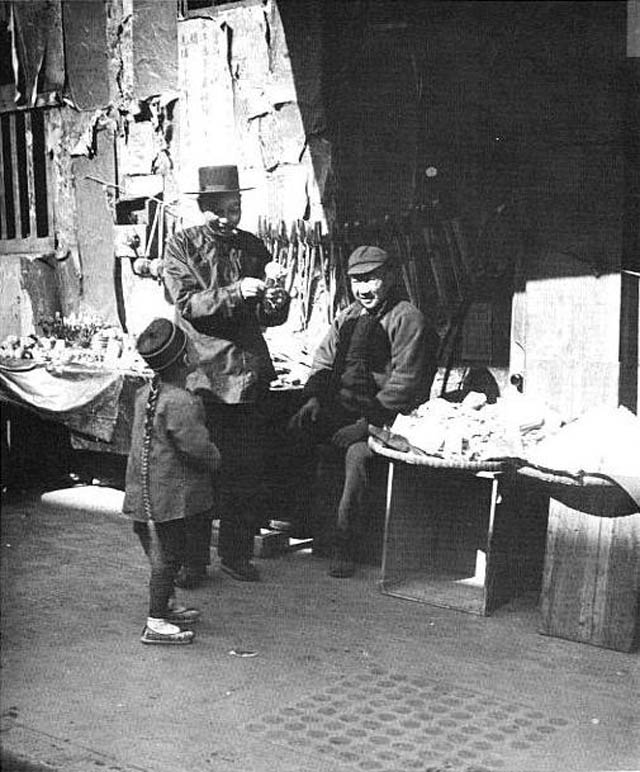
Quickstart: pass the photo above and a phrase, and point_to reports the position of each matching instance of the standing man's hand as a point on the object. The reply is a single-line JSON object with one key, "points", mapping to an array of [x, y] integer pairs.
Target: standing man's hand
{"points": [[251, 287], [307, 415]]}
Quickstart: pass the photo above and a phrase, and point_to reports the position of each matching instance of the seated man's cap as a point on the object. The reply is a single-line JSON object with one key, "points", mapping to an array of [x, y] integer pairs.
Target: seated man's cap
{"points": [[161, 343], [366, 259]]}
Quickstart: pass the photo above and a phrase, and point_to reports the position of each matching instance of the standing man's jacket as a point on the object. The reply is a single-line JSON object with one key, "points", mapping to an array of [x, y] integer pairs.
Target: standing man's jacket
{"points": [[389, 371], [234, 360]]}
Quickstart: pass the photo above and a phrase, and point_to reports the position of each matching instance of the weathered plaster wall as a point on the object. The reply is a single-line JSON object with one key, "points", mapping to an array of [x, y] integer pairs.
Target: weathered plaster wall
{"points": [[120, 60], [244, 100]]}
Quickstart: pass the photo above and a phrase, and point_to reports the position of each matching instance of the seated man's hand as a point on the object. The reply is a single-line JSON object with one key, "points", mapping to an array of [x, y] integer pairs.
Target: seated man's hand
{"points": [[251, 287], [307, 415], [357, 432]]}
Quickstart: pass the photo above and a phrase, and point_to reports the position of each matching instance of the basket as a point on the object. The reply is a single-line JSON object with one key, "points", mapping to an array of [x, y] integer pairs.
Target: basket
{"points": [[588, 493], [419, 458]]}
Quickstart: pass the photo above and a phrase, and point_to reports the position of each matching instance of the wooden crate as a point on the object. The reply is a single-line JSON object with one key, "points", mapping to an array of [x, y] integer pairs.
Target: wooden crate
{"points": [[465, 541], [591, 580]]}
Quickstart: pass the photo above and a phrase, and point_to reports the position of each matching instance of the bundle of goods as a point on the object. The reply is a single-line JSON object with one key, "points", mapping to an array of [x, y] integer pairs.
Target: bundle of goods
{"points": [[602, 441], [592, 463], [76, 340], [474, 430]]}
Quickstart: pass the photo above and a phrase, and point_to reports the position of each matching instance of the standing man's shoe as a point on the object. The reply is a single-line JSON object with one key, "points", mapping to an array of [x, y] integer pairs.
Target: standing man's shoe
{"points": [[188, 579], [243, 572]]}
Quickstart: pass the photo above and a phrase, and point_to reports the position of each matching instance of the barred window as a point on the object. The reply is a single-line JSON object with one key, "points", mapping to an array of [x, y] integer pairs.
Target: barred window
{"points": [[26, 223]]}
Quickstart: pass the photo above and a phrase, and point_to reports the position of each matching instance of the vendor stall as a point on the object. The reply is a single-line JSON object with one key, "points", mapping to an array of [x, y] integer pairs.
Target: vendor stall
{"points": [[482, 508]]}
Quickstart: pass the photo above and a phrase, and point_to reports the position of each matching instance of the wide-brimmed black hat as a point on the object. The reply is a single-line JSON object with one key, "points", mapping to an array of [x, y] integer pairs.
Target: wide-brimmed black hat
{"points": [[217, 179]]}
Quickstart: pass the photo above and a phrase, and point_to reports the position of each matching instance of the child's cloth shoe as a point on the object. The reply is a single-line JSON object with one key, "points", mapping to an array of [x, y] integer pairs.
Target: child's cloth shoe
{"points": [[160, 631]]}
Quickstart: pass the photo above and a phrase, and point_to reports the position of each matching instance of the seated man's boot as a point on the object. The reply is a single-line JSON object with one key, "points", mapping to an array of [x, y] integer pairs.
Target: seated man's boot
{"points": [[341, 565]]}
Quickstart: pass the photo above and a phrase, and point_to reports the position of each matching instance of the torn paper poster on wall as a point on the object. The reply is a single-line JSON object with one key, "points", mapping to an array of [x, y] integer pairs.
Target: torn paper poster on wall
{"points": [[154, 32], [38, 53], [87, 143], [282, 137], [87, 61], [207, 123]]}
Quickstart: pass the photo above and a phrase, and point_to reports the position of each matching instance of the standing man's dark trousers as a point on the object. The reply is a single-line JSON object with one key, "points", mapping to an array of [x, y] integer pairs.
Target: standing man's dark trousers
{"points": [[198, 543], [238, 432]]}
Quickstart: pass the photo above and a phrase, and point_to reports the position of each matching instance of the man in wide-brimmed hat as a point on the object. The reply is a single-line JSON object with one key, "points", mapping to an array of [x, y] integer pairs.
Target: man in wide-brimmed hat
{"points": [[214, 275]]}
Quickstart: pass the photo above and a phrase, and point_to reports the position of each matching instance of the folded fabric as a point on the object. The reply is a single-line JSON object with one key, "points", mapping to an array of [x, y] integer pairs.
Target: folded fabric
{"points": [[86, 401], [56, 393]]}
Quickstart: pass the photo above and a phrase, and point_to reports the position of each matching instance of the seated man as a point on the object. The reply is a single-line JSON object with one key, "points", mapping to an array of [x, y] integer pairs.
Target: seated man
{"points": [[377, 360]]}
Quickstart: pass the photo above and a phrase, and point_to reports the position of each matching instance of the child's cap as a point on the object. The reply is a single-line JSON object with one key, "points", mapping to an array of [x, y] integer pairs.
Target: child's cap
{"points": [[161, 343]]}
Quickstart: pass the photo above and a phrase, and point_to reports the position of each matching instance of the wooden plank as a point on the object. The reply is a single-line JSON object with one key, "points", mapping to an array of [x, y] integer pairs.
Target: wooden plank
{"points": [[3, 203], [52, 186], [591, 579], [31, 185], [14, 172], [31, 247]]}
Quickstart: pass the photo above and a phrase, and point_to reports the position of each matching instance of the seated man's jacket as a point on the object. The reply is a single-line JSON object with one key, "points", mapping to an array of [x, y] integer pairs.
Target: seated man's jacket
{"points": [[374, 366]]}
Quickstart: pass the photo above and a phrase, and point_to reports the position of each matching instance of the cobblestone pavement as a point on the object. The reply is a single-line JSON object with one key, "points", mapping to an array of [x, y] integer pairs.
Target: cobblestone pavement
{"points": [[344, 677]]}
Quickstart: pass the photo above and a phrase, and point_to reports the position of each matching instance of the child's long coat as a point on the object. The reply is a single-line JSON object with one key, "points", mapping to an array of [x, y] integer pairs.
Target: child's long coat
{"points": [[182, 460]]}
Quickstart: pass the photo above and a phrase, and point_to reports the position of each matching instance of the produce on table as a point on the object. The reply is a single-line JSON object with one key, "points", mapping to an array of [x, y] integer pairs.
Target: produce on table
{"points": [[73, 340], [474, 430]]}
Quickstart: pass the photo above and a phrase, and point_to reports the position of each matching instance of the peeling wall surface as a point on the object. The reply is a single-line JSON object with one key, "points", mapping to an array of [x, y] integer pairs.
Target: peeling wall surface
{"points": [[38, 51], [28, 292], [13, 298]]}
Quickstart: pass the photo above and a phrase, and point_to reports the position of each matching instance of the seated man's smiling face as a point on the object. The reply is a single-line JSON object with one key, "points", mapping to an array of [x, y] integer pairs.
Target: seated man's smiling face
{"points": [[372, 288]]}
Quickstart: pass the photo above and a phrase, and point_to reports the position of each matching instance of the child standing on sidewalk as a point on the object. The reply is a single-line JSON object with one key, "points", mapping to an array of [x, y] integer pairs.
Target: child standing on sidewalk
{"points": [[169, 474]]}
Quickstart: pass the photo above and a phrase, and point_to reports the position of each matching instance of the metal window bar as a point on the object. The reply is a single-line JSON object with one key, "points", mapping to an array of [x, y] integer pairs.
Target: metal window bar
{"points": [[26, 221]]}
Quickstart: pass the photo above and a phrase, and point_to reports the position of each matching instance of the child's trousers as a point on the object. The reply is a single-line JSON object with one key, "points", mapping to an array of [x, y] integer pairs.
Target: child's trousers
{"points": [[166, 551]]}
